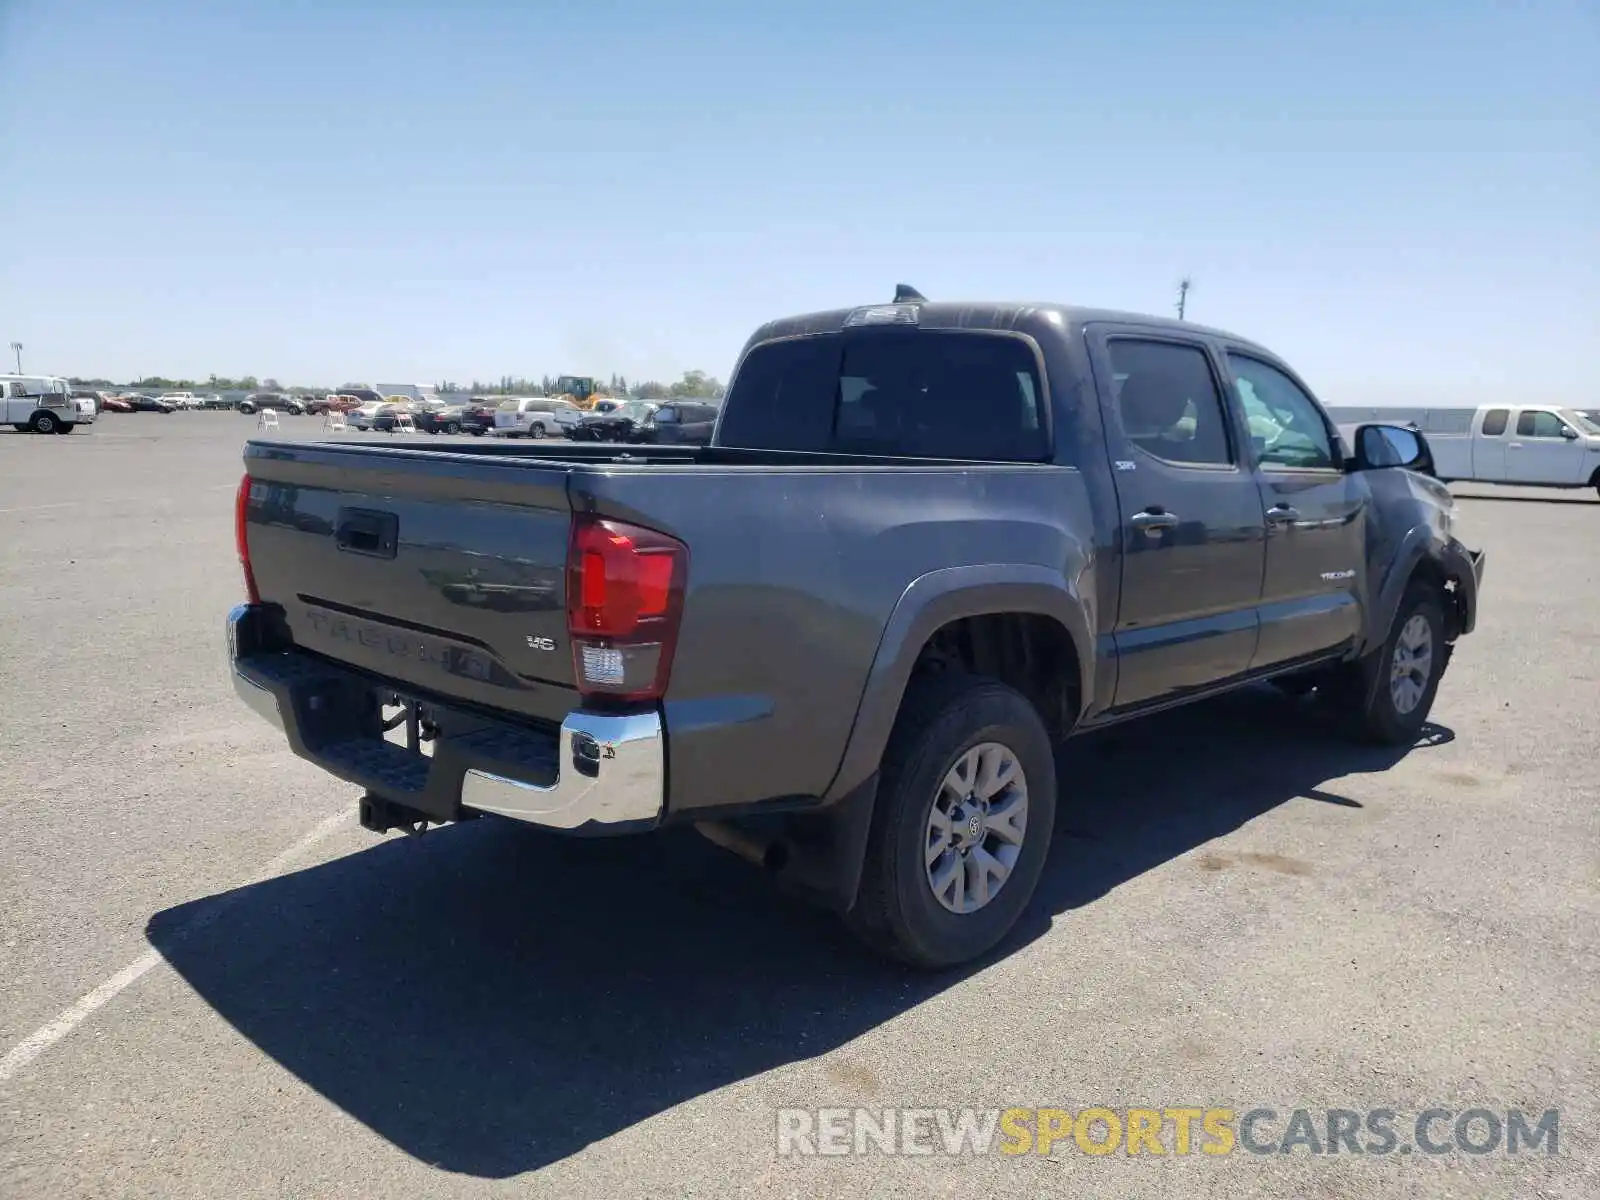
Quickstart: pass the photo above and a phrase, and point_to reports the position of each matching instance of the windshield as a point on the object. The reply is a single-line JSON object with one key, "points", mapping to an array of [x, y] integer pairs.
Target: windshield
{"points": [[1587, 422]]}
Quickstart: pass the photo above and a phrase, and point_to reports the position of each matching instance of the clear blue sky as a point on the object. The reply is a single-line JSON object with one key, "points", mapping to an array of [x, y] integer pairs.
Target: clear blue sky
{"points": [[1402, 199]]}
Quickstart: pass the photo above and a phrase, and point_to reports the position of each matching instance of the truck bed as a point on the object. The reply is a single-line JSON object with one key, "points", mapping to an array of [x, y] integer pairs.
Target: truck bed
{"points": [[796, 562], [611, 454]]}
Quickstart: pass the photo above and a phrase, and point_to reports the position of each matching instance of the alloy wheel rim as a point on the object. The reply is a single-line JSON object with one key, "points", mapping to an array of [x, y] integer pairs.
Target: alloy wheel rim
{"points": [[1412, 664], [976, 828]]}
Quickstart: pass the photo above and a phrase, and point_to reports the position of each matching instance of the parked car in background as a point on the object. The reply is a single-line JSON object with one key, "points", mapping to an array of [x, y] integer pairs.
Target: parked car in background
{"points": [[477, 416], [362, 394], [618, 425], [570, 418], [379, 417], [215, 402], [277, 401], [177, 400], [319, 405], [444, 418], [158, 404], [531, 416], [678, 423], [117, 404], [388, 417], [362, 416]]}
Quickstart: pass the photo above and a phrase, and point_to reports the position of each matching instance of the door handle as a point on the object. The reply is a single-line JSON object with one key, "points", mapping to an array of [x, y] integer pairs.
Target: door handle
{"points": [[1153, 523], [1515, 445], [1282, 514]]}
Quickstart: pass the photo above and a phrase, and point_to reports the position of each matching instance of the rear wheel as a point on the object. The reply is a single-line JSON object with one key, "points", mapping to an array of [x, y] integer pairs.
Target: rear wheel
{"points": [[452, 427], [536, 430], [1386, 696], [964, 813], [43, 423]]}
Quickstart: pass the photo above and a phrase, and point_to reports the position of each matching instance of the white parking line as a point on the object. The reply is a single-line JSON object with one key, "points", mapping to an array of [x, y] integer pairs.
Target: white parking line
{"points": [[42, 507], [41, 1039]]}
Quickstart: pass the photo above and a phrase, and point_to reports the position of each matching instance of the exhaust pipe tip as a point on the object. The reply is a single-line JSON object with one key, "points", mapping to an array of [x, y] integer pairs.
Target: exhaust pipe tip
{"points": [[768, 854]]}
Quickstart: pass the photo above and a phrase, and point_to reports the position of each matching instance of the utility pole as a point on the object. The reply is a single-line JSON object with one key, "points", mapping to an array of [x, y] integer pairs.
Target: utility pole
{"points": [[1184, 285], [16, 348]]}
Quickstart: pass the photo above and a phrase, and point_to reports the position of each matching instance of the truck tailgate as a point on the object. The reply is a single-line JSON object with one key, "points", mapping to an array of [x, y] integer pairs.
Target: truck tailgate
{"points": [[443, 571]]}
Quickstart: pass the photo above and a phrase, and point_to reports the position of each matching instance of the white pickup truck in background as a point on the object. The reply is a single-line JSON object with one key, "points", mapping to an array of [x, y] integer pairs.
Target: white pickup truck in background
{"points": [[42, 404], [1539, 445]]}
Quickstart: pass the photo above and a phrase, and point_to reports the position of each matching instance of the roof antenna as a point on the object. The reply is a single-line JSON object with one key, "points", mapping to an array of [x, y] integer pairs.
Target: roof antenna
{"points": [[904, 293]]}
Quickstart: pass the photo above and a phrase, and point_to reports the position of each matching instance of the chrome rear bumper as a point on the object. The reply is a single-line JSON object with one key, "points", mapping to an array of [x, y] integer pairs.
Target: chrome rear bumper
{"points": [[602, 773]]}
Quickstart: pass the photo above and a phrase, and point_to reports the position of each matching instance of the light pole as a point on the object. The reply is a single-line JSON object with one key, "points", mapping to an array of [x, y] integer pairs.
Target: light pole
{"points": [[1184, 285], [16, 348]]}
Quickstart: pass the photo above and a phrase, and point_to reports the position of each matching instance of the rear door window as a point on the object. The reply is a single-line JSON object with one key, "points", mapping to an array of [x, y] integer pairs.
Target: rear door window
{"points": [[1168, 402], [922, 393], [1494, 422]]}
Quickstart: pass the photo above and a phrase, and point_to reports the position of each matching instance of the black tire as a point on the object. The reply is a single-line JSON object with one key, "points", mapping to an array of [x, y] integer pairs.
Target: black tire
{"points": [[452, 427], [896, 910], [536, 431], [1364, 692], [43, 423]]}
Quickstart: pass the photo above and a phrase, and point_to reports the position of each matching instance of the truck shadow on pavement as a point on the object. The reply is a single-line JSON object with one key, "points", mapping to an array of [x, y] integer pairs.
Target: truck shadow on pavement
{"points": [[491, 1000]]}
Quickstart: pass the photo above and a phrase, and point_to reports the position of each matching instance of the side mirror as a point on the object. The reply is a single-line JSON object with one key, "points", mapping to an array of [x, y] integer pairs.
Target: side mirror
{"points": [[1380, 446], [1568, 432]]}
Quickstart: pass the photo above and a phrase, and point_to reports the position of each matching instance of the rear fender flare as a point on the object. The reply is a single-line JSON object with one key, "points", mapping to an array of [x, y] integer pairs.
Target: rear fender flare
{"points": [[933, 601]]}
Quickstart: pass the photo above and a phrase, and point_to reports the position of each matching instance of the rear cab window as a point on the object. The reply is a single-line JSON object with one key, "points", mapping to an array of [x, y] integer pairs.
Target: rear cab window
{"points": [[924, 393]]}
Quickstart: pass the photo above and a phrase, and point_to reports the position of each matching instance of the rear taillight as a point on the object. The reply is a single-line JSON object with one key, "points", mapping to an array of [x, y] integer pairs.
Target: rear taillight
{"points": [[624, 600], [241, 505]]}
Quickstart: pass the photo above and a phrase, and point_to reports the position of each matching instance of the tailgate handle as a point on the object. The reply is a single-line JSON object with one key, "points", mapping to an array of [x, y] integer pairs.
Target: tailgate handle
{"points": [[367, 531]]}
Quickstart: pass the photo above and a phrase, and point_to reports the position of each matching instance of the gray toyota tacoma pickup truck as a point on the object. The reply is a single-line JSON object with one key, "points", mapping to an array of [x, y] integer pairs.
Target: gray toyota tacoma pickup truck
{"points": [[927, 541]]}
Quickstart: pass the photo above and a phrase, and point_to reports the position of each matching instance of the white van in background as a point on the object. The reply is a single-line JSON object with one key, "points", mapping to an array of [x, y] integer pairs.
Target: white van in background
{"points": [[1539, 445], [531, 416], [42, 404]]}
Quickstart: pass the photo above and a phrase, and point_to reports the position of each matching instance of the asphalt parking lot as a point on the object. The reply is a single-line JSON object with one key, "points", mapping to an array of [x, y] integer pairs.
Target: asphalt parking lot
{"points": [[217, 984]]}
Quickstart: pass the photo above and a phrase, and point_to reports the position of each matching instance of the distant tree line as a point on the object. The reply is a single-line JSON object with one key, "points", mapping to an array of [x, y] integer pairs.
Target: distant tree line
{"points": [[693, 385]]}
